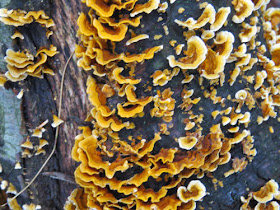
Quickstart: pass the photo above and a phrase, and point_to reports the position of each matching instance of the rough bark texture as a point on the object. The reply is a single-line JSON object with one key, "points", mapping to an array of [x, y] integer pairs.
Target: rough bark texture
{"points": [[40, 101]]}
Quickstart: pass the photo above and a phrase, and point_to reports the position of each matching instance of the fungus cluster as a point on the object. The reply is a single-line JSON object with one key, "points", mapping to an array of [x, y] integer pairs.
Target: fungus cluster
{"points": [[118, 163], [20, 18], [21, 64], [267, 197]]}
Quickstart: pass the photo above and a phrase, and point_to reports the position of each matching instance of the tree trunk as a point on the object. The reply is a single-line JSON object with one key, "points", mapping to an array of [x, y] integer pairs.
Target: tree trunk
{"points": [[40, 102]]}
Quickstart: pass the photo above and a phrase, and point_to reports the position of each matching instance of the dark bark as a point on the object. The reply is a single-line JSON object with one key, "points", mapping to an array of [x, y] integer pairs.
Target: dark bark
{"points": [[40, 101]]}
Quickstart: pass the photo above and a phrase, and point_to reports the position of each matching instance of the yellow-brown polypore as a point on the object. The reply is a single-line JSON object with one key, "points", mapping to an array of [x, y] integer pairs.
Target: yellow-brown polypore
{"points": [[109, 155], [267, 192], [195, 55], [194, 191], [208, 15], [243, 8], [23, 64], [20, 17]]}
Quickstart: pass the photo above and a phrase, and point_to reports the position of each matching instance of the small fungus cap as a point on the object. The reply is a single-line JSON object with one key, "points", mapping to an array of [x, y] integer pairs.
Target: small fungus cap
{"points": [[195, 191], [267, 192], [195, 55], [187, 142]]}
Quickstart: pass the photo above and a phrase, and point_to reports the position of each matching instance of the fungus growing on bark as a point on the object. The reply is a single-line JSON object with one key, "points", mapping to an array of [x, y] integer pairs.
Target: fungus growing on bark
{"points": [[243, 8], [20, 17], [17, 34], [56, 121], [267, 192], [220, 18], [264, 197], [194, 191], [77, 200], [22, 64], [27, 144], [208, 15], [187, 142], [195, 55], [125, 83]]}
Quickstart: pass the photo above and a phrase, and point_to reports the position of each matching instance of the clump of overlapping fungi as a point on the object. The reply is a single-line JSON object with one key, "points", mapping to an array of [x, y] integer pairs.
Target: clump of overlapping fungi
{"points": [[266, 197], [149, 135], [21, 64]]}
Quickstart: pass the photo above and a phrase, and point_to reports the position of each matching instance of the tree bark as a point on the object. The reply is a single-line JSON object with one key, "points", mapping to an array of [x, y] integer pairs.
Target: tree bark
{"points": [[40, 102]]}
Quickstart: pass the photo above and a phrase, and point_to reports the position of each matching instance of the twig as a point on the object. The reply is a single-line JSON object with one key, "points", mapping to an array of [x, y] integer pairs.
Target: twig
{"points": [[60, 176], [55, 138]]}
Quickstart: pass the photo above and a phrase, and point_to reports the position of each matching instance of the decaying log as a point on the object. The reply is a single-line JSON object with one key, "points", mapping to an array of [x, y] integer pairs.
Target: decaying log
{"points": [[40, 102]]}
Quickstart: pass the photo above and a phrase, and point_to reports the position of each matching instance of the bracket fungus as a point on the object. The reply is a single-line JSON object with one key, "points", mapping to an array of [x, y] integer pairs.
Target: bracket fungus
{"points": [[153, 129], [265, 198], [195, 55]]}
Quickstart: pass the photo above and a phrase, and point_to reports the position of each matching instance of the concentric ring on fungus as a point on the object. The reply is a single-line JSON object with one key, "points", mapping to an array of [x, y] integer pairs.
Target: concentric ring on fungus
{"points": [[148, 137]]}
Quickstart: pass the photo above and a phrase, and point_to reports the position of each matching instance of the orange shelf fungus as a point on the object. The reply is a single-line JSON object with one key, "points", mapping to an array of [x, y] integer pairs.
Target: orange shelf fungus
{"points": [[117, 166], [267, 192], [239, 137], [77, 199], [137, 38], [21, 64], [195, 55], [161, 78], [275, 53], [17, 34], [108, 32], [163, 105], [187, 142], [194, 191], [247, 33], [208, 15], [130, 109], [147, 7], [123, 80], [19, 18], [105, 9], [56, 121], [220, 18], [212, 65], [243, 8]]}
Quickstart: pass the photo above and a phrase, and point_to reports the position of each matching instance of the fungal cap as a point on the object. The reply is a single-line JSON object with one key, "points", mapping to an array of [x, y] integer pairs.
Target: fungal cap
{"points": [[17, 165], [233, 129], [245, 118], [208, 15], [239, 137], [40, 151], [11, 189], [56, 121], [43, 142], [266, 192], [13, 204], [195, 55], [244, 9], [241, 94], [27, 144], [111, 33], [195, 191], [187, 142], [147, 7], [220, 18], [17, 34], [137, 38], [3, 80]]}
